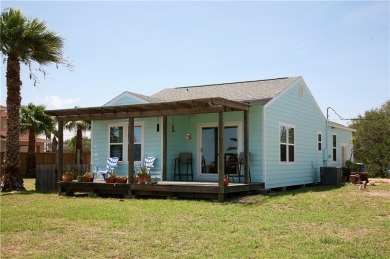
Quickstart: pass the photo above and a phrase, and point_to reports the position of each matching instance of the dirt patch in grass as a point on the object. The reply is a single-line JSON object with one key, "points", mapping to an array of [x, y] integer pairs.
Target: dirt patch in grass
{"points": [[380, 193], [379, 180]]}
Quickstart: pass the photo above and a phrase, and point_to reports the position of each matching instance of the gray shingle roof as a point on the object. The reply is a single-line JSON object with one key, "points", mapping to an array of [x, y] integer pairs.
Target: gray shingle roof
{"points": [[146, 98], [248, 91]]}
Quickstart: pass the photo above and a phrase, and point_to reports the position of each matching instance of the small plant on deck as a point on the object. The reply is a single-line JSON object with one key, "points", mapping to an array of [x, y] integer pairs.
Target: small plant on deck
{"points": [[68, 176], [143, 171], [143, 174], [88, 177], [111, 177]]}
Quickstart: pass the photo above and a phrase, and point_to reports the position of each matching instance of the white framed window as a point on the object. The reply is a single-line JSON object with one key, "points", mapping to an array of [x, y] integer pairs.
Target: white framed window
{"points": [[319, 141], [138, 143], [287, 143], [334, 147], [118, 142]]}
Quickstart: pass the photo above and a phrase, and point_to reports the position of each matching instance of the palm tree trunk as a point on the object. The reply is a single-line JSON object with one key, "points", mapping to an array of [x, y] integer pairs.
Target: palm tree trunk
{"points": [[11, 180], [31, 164]]}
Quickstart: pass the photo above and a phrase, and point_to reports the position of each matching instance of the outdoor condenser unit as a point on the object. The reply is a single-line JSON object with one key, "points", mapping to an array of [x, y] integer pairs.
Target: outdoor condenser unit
{"points": [[330, 176]]}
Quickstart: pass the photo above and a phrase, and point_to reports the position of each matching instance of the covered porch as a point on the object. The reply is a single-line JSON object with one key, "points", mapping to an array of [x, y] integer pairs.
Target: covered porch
{"points": [[219, 106]]}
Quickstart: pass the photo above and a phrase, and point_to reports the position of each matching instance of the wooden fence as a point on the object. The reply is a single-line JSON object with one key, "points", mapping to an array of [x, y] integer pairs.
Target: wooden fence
{"points": [[47, 175], [48, 158]]}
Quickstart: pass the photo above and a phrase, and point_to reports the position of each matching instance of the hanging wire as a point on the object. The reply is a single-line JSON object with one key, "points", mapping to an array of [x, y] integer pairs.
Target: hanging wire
{"points": [[355, 119]]}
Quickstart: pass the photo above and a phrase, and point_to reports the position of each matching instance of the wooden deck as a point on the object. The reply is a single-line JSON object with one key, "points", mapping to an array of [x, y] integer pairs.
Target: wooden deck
{"points": [[167, 189]]}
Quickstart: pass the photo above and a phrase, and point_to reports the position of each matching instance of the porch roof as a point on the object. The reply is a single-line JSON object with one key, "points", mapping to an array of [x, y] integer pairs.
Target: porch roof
{"points": [[153, 109]]}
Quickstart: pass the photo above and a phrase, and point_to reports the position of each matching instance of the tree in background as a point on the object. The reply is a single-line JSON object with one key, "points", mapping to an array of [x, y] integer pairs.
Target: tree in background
{"points": [[372, 139], [28, 41], [70, 144], [34, 121], [79, 126]]}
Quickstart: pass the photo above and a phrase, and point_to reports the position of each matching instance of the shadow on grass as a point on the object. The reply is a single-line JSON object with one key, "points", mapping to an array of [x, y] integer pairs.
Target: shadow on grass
{"points": [[257, 199], [27, 192]]}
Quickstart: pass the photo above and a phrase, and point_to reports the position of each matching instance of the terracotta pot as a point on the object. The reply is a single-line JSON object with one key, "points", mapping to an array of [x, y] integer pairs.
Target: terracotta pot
{"points": [[110, 180], [226, 181], [141, 179], [121, 180], [87, 179], [67, 177]]}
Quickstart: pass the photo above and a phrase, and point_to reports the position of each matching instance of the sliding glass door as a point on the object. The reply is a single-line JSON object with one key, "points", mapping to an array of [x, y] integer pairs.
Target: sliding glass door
{"points": [[209, 147]]}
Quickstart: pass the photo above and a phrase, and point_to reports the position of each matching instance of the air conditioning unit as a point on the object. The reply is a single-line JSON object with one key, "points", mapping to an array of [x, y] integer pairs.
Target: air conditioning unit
{"points": [[330, 176]]}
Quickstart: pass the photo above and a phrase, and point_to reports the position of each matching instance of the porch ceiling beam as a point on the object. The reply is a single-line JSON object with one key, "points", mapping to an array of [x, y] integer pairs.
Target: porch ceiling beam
{"points": [[140, 114], [233, 105], [193, 106]]}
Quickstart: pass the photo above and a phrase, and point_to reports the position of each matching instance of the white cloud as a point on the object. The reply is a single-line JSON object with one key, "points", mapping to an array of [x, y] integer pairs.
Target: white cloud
{"points": [[56, 102]]}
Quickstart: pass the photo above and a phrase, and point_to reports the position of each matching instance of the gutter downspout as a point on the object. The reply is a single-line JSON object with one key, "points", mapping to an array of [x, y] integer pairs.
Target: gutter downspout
{"points": [[325, 155]]}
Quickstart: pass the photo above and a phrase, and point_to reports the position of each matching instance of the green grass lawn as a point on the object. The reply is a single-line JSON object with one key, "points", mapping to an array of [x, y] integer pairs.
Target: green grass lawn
{"points": [[315, 222]]}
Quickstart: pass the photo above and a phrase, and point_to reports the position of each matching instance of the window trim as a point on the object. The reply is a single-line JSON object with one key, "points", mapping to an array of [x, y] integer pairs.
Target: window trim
{"points": [[125, 148], [240, 142], [319, 142], [334, 148], [288, 126], [123, 143]]}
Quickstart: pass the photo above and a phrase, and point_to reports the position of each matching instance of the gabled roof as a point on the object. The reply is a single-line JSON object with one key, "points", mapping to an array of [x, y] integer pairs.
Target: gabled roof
{"points": [[139, 97], [259, 91], [212, 98]]}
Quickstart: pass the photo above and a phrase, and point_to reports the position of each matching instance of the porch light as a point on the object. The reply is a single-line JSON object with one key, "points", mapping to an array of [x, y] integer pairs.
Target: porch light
{"points": [[188, 136]]}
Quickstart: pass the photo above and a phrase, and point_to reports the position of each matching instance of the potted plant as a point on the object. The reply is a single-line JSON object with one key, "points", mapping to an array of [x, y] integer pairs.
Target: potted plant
{"points": [[88, 177], [121, 179], [111, 177], [346, 170], [67, 176], [80, 178], [143, 175]]}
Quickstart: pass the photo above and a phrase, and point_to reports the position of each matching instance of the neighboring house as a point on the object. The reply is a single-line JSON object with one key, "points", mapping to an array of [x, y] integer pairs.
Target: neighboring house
{"points": [[23, 138], [288, 137]]}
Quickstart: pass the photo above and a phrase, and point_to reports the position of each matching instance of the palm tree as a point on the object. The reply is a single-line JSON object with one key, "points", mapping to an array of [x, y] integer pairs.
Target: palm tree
{"points": [[79, 126], [27, 41], [34, 121]]}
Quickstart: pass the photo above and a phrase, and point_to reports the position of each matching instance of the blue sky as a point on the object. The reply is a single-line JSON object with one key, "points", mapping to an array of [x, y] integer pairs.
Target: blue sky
{"points": [[341, 49]]}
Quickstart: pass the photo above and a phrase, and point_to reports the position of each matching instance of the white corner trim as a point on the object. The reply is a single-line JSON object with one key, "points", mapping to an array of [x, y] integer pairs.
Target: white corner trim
{"points": [[264, 149]]}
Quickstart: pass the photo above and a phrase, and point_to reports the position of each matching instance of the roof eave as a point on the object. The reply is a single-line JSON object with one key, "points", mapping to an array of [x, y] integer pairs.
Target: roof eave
{"points": [[156, 109]]}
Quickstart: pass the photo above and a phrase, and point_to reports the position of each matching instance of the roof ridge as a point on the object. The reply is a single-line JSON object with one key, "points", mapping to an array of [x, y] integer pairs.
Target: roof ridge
{"points": [[249, 81]]}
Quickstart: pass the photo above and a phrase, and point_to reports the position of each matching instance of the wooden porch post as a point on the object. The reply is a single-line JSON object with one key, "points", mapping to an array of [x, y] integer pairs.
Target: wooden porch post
{"points": [[246, 146], [60, 150], [165, 149], [221, 154], [130, 153]]}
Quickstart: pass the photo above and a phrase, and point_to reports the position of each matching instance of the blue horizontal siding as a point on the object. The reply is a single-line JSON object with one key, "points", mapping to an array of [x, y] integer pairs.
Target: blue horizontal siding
{"points": [[307, 119]]}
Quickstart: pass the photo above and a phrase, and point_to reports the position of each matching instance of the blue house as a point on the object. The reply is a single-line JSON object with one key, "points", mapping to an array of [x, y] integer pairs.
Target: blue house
{"points": [[275, 124]]}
